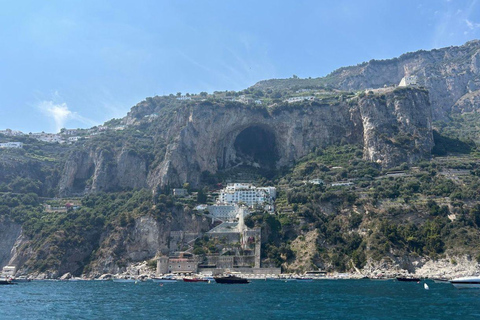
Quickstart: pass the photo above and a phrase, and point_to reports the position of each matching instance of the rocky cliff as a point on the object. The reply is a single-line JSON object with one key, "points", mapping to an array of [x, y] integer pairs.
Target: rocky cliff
{"points": [[451, 75], [97, 169], [96, 249], [394, 126]]}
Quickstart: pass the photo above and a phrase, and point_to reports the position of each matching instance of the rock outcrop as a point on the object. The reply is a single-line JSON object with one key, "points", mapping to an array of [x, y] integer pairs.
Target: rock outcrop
{"points": [[394, 126], [450, 75], [9, 234], [98, 169]]}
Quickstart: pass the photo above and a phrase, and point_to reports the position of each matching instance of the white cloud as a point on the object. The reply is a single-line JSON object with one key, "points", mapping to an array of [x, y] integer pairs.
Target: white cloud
{"points": [[60, 114], [472, 25]]}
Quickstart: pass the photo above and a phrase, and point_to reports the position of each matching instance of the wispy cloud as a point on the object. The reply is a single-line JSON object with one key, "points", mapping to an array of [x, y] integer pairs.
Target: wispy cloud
{"points": [[456, 23], [472, 25], [61, 114]]}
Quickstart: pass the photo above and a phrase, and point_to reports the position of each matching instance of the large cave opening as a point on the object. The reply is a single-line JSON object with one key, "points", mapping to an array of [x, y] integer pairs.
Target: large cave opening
{"points": [[255, 146]]}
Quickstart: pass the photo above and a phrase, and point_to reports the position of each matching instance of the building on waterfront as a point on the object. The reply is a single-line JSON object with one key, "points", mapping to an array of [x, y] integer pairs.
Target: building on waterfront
{"points": [[248, 194], [182, 262]]}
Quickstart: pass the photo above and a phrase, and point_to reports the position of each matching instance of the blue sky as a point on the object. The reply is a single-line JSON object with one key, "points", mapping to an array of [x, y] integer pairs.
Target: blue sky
{"points": [[76, 64]]}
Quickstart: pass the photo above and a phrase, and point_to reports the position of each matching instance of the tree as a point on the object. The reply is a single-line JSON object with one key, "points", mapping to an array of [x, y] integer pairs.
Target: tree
{"points": [[179, 94], [201, 196]]}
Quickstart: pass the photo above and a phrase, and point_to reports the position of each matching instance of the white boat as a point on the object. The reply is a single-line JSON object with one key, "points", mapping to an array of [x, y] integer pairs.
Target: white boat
{"points": [[165, 279], [124, 280], [466, 282]]}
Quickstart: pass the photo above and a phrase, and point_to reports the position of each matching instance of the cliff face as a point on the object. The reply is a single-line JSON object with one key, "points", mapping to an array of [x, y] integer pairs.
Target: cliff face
{"points": [[394, 126], [94, 170], [145, 238], [451, 75], [96, 250], [9, 233], [396, 129]]}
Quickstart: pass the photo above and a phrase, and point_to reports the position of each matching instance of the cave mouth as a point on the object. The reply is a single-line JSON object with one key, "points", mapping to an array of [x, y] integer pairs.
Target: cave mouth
{"points": [[255, 146]]}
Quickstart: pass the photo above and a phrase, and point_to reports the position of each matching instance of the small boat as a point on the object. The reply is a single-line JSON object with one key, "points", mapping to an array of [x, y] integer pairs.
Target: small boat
{"points": [[5, 281], [466, 282], [165, 279], [21, 279], [408, 279], [124, 280], [441, 280], [194, 280], [231, 279]]}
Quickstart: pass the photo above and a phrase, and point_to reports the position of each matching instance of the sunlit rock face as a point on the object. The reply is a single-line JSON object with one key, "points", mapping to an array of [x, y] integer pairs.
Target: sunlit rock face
{"points": [[394, 127], [451, 75]]}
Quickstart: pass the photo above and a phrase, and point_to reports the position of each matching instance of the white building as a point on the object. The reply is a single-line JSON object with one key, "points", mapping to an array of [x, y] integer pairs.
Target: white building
{"points": [[408, 81], [224, 212], [70, 132], [48, 137], [315, 181], [248, 194], [73, 139], [342, 184], [297, 99], [13, 145]]}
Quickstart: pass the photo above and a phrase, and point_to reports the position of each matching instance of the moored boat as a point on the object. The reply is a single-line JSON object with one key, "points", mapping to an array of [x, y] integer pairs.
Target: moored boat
{"points": [[408, 279], [194, 280], [5, 281], [441, 280], [231, 279], [165, 279], [124, 280], [466, 282], [21, 279]]}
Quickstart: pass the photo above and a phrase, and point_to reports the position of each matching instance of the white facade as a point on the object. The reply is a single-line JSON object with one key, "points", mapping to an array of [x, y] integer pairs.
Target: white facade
{"points": [[408, 81], [296, 99], [315, 181], [225, 212], [342, 184], [248, 194], [48, 137], [14, 145]]}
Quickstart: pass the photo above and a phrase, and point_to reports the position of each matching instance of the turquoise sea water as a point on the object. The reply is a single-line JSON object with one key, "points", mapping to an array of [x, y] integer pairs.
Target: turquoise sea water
{"points": [[323, 299]]}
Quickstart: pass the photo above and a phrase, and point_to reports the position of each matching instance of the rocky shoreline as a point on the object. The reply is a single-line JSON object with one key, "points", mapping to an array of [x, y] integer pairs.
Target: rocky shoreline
{"points": [[445, 268]]}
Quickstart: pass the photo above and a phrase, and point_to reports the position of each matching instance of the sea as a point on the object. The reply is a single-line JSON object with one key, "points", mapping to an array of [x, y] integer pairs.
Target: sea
{"points": [[260, 299]]}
